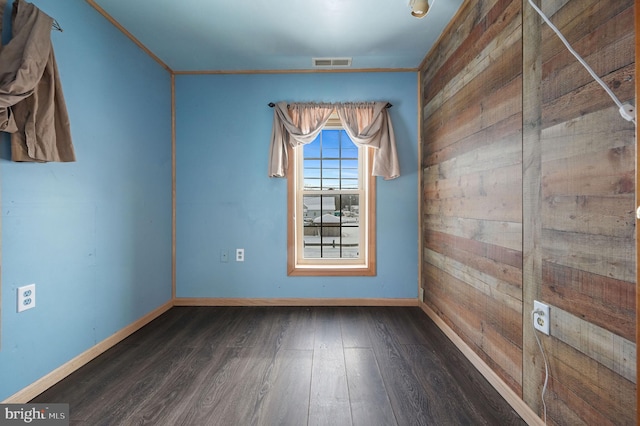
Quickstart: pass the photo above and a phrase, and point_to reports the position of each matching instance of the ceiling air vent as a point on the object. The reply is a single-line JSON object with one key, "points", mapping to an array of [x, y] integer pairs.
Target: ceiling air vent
{"points": [[331, 62]]}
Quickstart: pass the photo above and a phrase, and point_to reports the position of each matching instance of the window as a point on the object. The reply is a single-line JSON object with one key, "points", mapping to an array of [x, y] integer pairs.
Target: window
{"points": [[331, 206]]}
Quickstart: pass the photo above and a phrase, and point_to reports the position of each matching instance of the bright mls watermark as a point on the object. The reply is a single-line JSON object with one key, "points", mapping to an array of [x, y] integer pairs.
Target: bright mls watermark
{"points": [[34, 414]]}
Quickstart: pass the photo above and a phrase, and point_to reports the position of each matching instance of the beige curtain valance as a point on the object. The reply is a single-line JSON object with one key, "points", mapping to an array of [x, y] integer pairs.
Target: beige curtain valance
{"points": [[367, 124]]}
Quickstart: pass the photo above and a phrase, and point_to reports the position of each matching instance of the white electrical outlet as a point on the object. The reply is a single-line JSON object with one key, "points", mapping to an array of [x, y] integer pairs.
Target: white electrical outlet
{"points": [[239, 255], [541, 319], [26, 297]]}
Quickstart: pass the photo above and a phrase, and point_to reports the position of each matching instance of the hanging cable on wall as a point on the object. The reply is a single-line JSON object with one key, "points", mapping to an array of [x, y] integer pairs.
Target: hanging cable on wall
{"points": [[627, 111], [546, 366]]}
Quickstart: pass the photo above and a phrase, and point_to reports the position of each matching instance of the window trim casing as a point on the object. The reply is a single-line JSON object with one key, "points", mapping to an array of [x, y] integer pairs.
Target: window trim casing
{"points": [[293, 269]]}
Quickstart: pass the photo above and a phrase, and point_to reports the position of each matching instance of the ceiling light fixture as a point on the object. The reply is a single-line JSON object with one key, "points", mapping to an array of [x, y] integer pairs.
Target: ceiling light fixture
{"points": [[419, 8]]}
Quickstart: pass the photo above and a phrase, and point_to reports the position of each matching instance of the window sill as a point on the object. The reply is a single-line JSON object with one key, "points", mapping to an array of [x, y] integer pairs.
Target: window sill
{"points": [[331, 271]]}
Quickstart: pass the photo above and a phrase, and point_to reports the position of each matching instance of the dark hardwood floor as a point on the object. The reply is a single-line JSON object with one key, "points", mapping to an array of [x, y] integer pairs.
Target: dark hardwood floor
{"points": [[283, 366]]}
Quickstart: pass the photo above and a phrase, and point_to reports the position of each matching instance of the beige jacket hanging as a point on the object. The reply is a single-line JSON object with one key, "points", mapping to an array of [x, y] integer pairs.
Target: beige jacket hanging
{"points": [[32, 106]]}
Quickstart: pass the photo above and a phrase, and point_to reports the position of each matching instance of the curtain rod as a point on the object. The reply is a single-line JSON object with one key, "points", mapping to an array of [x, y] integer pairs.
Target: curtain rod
{"points": [[271, 105]]}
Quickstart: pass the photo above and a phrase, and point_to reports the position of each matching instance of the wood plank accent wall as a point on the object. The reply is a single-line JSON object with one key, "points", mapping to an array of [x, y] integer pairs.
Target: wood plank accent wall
{"points": [[528, 185], [637, 28], [587, 247], [472, 183]]}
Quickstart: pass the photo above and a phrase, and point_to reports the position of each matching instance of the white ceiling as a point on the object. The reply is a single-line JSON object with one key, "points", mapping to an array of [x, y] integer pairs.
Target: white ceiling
{"points": [[255, 35]]}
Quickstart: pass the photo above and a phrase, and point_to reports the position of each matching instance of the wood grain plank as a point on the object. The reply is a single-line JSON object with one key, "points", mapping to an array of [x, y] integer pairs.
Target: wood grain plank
{"points": [[439, 149], [592, 383], [225, 395], [532, 381], [607, 173], [247, 329], [550, 7], [637, 254], [577, 20], [604, 301], [90, 386], [457, 40], [487, 183], [580, 414], [370, 403], [400, 323], [595, 133], [611, 46], [463, 116], [329, 400], [284, 394], [590, 98], [599, 215], [456, 408], [488, 285], [477, 156], [301, 324], [443, 400], [410, 405], [328, 333], [498, 241], [614, 352], [505, 208], [604, 255], [119, 400], [496, 31], [164, 403], [573, 76], [354, 329], [508, 278]]}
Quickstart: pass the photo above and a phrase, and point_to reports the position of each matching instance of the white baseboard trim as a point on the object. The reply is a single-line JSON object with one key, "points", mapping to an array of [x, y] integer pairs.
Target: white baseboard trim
{"points": [[212, 301], [36, 388], [512, 398]]}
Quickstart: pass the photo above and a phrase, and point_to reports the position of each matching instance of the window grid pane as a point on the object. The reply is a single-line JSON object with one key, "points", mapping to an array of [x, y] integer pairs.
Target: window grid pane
{"points": [[331, 227], [330, 162]]}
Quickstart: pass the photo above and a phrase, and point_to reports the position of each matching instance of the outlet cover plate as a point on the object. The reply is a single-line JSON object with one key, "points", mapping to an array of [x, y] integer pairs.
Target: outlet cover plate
{"points": [[240, 255], [541, 321], [26, 297]]}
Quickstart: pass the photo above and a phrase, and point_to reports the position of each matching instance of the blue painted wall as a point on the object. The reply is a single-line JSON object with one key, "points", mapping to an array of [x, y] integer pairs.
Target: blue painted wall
{"points": [[225, 199], [95, 235]]}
